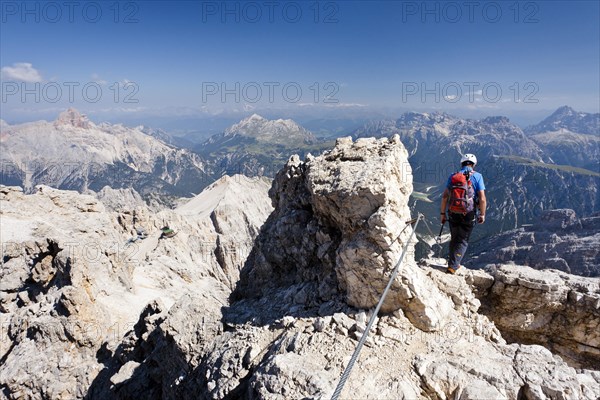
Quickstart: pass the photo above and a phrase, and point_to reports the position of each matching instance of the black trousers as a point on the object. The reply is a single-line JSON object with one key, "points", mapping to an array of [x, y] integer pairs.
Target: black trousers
{"points": [[461, 227]]}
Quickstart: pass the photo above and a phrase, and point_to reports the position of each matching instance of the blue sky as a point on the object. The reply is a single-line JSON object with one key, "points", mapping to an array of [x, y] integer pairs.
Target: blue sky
{"points": [[172, 58]]}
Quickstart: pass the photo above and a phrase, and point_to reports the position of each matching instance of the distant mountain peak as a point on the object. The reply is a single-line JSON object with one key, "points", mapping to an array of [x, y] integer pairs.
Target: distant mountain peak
{"points": [[251, 120], [257, 126], [72, 117], [255, 117], [567, 118], [424, 117], [564, 110]]}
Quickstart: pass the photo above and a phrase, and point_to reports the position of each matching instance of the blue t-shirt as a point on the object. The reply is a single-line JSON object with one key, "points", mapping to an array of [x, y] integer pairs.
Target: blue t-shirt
{"points": [[476, 180]]}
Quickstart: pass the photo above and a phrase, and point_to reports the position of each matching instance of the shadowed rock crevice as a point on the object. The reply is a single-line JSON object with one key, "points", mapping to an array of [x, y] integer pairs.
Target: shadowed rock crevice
{"points": [[132, 372], [154, 359]]}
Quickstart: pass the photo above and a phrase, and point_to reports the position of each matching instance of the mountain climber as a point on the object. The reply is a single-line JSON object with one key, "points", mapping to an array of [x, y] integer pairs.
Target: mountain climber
{"points": [[465, 191]]}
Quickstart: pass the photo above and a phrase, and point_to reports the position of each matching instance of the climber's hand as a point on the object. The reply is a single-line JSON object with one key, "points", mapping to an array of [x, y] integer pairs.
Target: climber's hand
{"points": [[481, 219], [444, 218]]}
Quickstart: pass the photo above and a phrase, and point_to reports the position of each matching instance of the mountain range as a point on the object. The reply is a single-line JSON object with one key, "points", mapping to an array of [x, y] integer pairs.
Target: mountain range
{"points": [[553, 164], [75, 153], [522, 179]]}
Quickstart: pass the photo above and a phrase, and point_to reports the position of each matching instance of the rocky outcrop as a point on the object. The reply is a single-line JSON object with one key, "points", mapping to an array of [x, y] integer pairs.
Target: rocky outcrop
{"points": [[340, 222], [551, 308], [119, 199], [75, 278], [557, 240], [54, 311], [72, 118]]}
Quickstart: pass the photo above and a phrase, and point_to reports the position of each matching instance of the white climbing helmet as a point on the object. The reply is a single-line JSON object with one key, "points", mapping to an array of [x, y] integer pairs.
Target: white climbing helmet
{"points": [[469, 157]]}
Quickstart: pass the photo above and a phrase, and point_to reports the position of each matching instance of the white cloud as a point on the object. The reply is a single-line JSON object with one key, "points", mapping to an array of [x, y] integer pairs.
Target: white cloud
{"points": [[475, 93], [125, 82], [343, 105], [96, 78], [21, 72]]}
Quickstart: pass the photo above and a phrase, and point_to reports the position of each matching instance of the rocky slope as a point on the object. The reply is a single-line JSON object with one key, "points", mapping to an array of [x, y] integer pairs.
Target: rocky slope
{"points": [[74, 280], [520, 190], [300, 301], [76, 154], [571, 148], [558, 240]]}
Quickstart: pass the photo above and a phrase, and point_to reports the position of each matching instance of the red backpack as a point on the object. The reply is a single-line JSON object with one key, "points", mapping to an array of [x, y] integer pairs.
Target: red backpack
{"points": [[462, 193]]}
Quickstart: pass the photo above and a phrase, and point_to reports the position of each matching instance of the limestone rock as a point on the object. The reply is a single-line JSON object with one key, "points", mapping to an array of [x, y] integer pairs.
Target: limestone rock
{"points": [[340, 220], [119, 199], [75, 277], [509, 372], [557, 310]]}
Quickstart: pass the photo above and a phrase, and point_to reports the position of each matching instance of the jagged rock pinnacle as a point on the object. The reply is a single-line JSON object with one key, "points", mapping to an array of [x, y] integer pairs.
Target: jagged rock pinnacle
{"points": [[72, 117]]}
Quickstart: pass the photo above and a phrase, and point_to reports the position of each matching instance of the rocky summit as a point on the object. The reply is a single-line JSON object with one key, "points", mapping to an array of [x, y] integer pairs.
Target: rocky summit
{"points": [[261, 293], [341, 226]]}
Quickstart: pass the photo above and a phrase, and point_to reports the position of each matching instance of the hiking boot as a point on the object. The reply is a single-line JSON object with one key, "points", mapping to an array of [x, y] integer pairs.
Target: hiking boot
{"points": [[452, 270]]}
